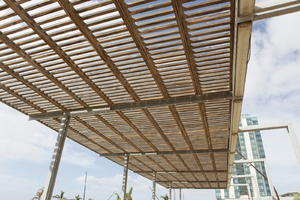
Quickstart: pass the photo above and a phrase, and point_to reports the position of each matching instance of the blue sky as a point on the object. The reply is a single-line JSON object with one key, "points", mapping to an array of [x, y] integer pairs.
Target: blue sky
{"points": [[272, 94]]}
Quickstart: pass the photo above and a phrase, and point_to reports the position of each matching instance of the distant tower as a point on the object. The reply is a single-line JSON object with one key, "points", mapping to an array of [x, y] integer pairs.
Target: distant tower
{"points": [[246, 182]]}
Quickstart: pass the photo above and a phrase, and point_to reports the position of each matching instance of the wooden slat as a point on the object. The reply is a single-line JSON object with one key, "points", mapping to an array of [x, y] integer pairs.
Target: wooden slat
{"points": [[148, 60], [88, 34], [180, 17], [76, 56], [82, 27], [23, 54], [38, 30], [30, 85]]}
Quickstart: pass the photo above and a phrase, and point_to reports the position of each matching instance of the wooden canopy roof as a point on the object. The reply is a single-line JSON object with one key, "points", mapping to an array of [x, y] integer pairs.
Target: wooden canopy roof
{"points": [[152, 77]]}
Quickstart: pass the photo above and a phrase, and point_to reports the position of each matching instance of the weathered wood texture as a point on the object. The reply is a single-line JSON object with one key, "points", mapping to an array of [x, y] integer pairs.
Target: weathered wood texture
{"points": [[70, 55]]}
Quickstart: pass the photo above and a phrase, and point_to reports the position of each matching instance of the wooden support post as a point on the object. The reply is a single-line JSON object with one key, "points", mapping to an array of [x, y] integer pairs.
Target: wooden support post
{"points": [[125, 175], [62, 133]]}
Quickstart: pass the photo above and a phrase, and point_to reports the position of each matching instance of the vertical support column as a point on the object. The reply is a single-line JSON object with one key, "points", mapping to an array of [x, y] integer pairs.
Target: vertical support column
{"points": [[180, 196], [125, 175], [174, 194], [170, 192], [62, 133], [154, 186]]}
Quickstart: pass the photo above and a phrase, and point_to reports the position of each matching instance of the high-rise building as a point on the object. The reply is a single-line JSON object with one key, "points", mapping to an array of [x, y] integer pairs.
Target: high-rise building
{"points": [[247, 182]]}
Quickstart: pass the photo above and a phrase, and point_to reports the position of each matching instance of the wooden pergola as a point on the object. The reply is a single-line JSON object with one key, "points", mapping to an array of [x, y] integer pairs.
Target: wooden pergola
{"points": [[82, 56], [159, 81]]}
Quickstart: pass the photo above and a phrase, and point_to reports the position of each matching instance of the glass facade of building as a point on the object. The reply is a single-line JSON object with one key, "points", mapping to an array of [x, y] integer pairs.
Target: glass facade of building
{"points": [[245, 178]]}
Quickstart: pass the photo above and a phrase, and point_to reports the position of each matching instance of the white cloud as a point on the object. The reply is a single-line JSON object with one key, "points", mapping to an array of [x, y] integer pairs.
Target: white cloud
{"points": [[284, 33], [16, 187], [76, 157], [22, 139], [31, 143], [272, 87], [273, 93]]}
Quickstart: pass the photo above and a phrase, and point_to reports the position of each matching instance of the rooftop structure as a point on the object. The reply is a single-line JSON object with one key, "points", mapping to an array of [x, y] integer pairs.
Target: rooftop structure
{"points": [[160, 82]]}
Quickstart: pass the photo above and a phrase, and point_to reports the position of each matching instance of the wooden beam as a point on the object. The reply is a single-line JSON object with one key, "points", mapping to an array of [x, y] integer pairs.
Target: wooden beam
{"points": [[139, 105], [182, 25], [21, 98], [170, 79], [187, 44], [28, 84], [154, 148], [141, 45], [175, 182], [73, 14], [94, 130], [38, 67], [100, 51], [240, 61], [197, 188], [133, 30], [174, 172], [166, 152], [43, 35], [106, 123]]}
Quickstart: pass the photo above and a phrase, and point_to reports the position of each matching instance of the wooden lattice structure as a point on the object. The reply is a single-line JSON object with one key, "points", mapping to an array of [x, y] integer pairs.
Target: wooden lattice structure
{"points": [[160, 78]]}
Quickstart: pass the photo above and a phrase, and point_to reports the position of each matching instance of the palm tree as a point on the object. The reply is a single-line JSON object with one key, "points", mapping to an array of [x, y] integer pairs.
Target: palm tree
{"points": [[77, 197], [127, 195], [165, 197], [118, 197], [38, 194], [60, 196]]}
